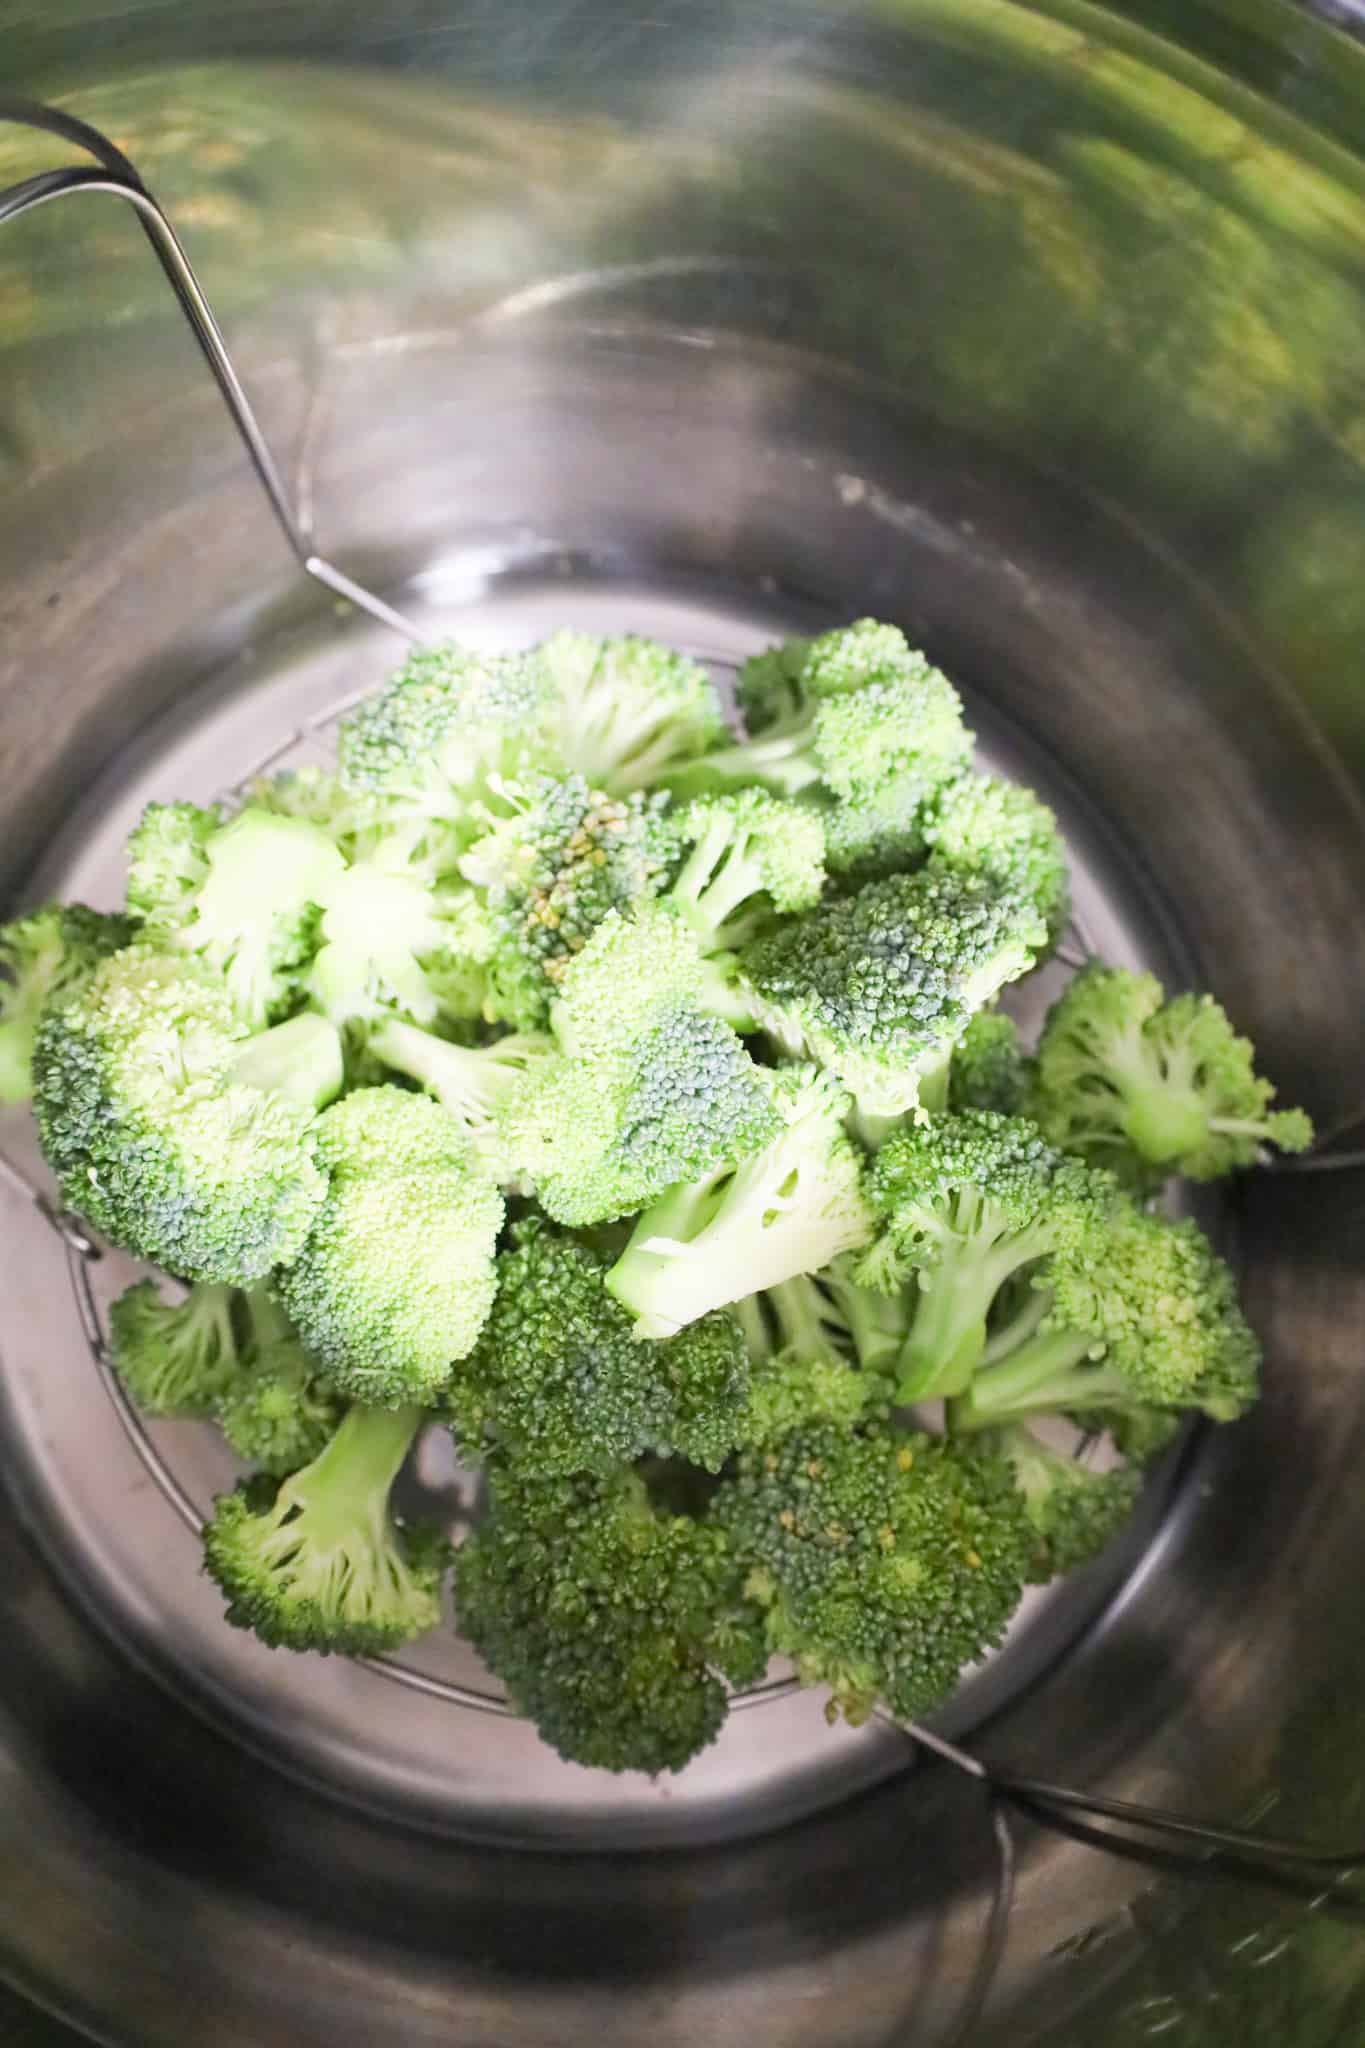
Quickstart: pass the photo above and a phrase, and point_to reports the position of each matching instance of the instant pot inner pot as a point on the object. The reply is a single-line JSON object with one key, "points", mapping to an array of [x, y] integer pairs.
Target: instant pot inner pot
{"points": [[597, 460]]}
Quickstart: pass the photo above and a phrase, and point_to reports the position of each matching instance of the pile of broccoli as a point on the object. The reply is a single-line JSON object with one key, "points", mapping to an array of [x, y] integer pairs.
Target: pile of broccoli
{"points": [[627, 1093]]}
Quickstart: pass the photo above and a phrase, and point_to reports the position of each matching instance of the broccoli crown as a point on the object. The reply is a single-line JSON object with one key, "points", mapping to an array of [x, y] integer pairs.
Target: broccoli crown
{"points": [[788, 1208], [323, 1565], [252, 916], [986, 826], [377, 928], [549, 875], [802, 1373], [396, 1276], [478, 1085], [558, 1378], [968, 1201], [990, 1069], [884, 1563], [275, 1411], [42, 957], [628, 710], [152, 1137], [876, 832], [1151, 1087], [437, 739], [168, 861], [595, 1609], [1075, 1511], [175, 1358], [748, 853], [768, 688], [1163, 1305], [876, 984]]}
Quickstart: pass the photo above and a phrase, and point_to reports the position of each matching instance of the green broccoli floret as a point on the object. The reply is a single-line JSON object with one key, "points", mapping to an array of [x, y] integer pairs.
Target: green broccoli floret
{"points": [[799, 1346], [42, 955], [871, 709], [1075, 1510], [768, 688], [1143, 1314], [376, 928], [628, 710], [1140, 1434], [168, 861], [275, 1411], [599, 1613], [558, 1378], [749, 854], [737, 1230], [252, 916], [396, 1276], [990, 1069], [651, 1089], [1150, 1087], [878, 985], [881, 1563], [446, 730], [323, 1565], [175, 1357], [550, 872], [968, 1202], [994, 828], [154, 1134], [477, 1085]]}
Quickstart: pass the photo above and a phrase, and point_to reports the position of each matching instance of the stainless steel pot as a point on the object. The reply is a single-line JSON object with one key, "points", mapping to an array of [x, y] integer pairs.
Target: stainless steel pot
{"points": [[1034, 327]]}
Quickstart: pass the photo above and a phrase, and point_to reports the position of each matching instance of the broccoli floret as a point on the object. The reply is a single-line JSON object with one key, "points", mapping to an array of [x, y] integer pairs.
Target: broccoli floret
{"points": [[597, 1610], [968, 1202], [799, 1349], [990, 1069], [882, 1563], [43, 955], [396, 1276], [275, 1411], [299, 1061], [994, 828], [323, 1565], [737, 1230], [651, 1089], [154, 1135], [628, 710], [877, 986], [375, 929], [876, 832], [438, 740], [168, 861], [749, 854], [550, 873], [175, 1357], [1075, 1511], [477, 1085], [1150, 1087], [768, 688], [1141, 1315], [871, 709], [253, 914], [558, 1378]]}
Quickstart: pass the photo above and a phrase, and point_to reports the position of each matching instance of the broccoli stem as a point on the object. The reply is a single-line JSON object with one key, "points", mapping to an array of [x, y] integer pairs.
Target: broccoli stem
{"points": [[1163, 1122], [1047, 1372], [359, 1464], [300, 1060], [872, 1127], [947, 1338]]}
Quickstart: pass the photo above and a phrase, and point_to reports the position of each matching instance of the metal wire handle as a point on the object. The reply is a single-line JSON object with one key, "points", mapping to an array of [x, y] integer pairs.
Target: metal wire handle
{"points": [[120, 178]]}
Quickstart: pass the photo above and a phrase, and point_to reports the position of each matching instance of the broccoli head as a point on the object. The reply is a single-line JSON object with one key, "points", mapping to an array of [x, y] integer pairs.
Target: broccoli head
{"points": [[788, 1208], [1150, 1087], [968, 1202], [548, 875], [748, 855], [559, 1380], [597, 1610], [627, 711], [396, 1276], [990, 1069], [802, 1370], [1074, 1509], [881, 1563], [43, 955], [322, 1565], [981, 825], [153, 1135], [275, 1410], [175, 1357], [1141, 1315], [877, 986]]}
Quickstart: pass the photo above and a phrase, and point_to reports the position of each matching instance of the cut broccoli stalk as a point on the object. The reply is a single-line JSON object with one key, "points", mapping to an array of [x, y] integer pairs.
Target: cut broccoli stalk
{"points": [[300, 1060], [325, 1567], [788, 1209]]}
